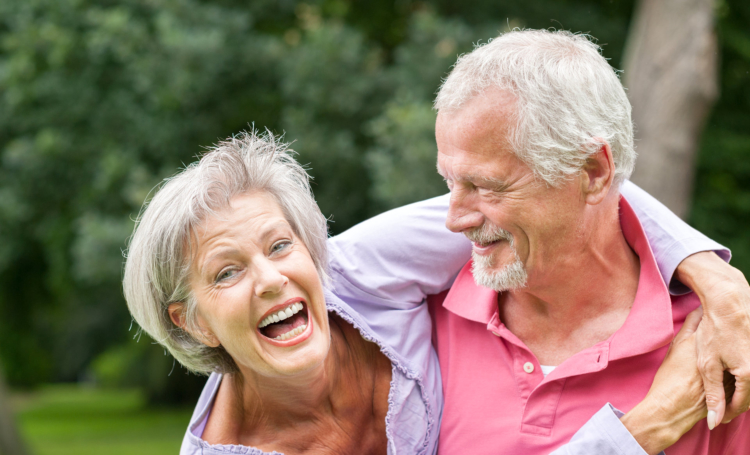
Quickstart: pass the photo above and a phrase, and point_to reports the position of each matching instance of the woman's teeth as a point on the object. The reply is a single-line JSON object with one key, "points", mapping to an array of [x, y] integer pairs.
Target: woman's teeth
{"points": [[287, 312], [292, 333]]}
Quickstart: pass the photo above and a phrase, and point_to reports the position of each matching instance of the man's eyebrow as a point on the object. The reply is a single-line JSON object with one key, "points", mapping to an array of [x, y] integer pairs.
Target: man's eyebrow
{"points": [[489, 182]]}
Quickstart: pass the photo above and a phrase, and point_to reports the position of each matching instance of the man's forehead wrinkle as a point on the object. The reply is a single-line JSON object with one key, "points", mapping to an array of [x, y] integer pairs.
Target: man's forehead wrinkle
{"points": [[484, 132], [492, 103]]}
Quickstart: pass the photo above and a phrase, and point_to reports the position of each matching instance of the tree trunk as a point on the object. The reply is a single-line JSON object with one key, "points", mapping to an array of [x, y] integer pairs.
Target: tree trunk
{"points": [[671, 75], [10, 440]]}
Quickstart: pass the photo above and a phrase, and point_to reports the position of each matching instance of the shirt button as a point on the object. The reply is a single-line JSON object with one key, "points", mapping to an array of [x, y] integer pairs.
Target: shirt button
{"points": [[496, 334], [528, 367]]}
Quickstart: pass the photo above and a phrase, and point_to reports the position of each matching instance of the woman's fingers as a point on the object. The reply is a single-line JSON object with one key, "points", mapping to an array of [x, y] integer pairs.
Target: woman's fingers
{"points": [[712, 373], [740, 398], [675, 400], [690, 326]]}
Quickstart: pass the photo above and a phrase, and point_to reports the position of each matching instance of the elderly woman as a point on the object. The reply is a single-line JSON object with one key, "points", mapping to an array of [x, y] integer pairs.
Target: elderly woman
{"points": [[227, 270]]}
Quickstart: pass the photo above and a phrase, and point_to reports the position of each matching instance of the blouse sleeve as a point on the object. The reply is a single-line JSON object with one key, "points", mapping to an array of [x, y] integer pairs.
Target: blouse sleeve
{"points": [[603, 434], [399, 257], [671, 239]]}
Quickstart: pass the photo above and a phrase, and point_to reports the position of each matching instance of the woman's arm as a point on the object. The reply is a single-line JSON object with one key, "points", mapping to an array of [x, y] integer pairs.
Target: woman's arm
{"points": [[671, 239], [686, 261], [399, 257]]}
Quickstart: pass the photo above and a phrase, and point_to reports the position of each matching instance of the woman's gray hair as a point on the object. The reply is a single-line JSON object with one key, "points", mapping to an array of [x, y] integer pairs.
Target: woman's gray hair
{"points": [[566, 94], [161, 248]]}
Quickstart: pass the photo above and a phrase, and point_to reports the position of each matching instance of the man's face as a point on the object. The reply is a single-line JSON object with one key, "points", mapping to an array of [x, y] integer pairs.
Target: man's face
{"points": [[518, 224]]}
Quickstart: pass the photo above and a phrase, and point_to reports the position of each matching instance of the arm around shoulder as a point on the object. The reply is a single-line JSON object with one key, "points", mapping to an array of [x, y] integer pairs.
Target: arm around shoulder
{"points": [[399, 257], [671, 239]]}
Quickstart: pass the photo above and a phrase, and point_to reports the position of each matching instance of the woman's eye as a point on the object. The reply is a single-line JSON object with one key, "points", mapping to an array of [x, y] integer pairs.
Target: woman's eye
{"points": [[224, 274], [278, 246]]}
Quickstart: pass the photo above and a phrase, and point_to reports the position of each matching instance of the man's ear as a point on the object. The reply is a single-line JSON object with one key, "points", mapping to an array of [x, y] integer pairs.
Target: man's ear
{"points": [[598, 173], [177, 315]]}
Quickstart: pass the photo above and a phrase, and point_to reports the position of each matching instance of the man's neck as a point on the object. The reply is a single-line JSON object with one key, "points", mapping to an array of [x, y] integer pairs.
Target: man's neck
{"points": [[581, 297]]}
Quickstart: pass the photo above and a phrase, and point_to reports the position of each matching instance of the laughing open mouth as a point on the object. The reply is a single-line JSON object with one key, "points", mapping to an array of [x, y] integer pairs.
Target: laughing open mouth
{"points": [[286, 323]]}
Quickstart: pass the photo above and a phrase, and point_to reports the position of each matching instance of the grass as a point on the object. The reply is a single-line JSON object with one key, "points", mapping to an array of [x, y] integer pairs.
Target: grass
{"points": [[74, 420]]}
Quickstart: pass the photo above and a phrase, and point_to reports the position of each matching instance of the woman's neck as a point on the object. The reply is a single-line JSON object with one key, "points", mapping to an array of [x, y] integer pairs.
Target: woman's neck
{"points": [[284, 401], [253, 410]]}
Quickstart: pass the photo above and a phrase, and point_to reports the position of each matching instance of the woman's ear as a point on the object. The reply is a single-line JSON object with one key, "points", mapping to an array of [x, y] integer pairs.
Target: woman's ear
{"points": [[177, 315]]}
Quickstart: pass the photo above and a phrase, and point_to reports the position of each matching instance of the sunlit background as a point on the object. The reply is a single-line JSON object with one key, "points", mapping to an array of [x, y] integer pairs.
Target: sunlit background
{"points": [[101, 100]]}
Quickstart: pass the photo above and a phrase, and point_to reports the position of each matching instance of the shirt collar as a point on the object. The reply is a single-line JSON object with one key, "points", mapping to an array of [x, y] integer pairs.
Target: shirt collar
{"points": [[648, 326]]}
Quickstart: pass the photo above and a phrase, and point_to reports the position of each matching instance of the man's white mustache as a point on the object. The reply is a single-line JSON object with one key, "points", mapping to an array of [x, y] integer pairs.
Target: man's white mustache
{"points": [[488, 233]]}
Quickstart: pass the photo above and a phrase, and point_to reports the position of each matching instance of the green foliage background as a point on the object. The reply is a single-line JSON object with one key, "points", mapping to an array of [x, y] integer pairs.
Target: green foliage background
{"points": [[101, 100]]}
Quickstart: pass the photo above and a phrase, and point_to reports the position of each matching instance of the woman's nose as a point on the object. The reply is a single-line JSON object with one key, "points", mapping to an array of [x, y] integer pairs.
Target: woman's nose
{"points": [[269, 280]]}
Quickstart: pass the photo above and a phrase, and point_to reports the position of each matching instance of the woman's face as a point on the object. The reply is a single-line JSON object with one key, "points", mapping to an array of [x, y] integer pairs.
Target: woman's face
{"points": [[257, 289]]}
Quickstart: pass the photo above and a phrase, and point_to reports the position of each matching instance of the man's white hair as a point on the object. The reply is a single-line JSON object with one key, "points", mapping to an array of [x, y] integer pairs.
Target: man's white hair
{"points": [[161, 249], [566, 94]]}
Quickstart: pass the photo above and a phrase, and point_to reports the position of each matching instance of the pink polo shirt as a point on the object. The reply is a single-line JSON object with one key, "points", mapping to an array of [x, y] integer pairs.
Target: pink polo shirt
{"points": [[497, 400]]}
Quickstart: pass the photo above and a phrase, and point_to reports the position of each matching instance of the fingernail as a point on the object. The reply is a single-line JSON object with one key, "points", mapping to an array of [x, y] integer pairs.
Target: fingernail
{"points": [[711, 419]]}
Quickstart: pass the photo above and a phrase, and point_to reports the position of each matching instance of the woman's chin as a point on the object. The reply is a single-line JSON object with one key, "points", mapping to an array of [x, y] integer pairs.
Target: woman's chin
{"points": [[296, 355]]}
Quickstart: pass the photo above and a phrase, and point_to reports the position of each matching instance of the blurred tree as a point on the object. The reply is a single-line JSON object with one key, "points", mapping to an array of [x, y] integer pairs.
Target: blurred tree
{"points": [[671, 76], [721, 196], [100, 101], [402, 157]]}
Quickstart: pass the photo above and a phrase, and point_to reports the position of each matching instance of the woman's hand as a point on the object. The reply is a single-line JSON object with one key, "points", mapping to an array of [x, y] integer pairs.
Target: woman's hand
{"points": [[676, 400], [724, 335]]}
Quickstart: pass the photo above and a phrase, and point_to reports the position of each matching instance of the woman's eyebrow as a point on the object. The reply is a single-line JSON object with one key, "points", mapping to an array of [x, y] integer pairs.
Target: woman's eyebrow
{"points": [[216, 254], [272, 228], [266, 231]]}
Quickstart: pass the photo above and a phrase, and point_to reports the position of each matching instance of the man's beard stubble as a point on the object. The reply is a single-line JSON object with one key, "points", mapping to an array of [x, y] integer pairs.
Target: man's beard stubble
{"points": [[512, 276]]}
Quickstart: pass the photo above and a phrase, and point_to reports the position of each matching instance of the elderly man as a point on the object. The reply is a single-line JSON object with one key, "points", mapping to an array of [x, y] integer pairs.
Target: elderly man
{"points": [[563, 306]]}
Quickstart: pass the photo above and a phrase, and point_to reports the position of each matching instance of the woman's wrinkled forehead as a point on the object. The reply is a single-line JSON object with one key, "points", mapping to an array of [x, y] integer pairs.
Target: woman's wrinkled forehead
{"points": [[251, 215]]}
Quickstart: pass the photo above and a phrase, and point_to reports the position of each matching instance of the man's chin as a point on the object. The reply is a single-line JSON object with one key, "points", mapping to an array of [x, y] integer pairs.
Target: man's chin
{"points": [[509, 277]]}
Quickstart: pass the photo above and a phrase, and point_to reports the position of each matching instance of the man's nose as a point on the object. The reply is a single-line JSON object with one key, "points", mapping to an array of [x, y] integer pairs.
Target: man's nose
{"points": [[462, 215], [269, 280]]}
